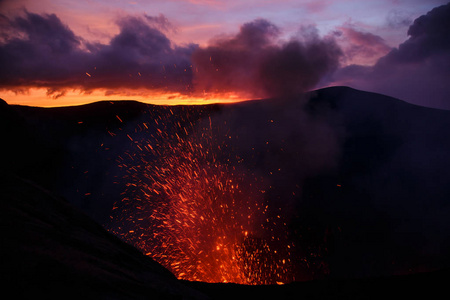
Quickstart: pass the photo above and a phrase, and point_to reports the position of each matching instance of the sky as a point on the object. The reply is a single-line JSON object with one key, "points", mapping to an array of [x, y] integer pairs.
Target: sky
{"points": [[67, 52]]}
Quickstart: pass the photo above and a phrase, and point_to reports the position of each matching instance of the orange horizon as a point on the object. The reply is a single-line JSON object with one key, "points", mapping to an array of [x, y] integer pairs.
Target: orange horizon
{"points": [[38, 97]]}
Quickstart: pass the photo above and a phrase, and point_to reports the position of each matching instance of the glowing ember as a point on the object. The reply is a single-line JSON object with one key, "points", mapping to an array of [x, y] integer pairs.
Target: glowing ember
{"points": [[191, 208]]}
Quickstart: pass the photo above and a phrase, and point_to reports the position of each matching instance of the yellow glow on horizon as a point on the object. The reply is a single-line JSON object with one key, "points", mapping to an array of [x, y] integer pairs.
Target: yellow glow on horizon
{"points": [[38, 97]]}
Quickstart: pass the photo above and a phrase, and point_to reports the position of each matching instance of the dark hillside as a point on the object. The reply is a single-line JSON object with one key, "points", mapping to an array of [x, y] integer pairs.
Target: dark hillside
{"points": [[364, 178]]}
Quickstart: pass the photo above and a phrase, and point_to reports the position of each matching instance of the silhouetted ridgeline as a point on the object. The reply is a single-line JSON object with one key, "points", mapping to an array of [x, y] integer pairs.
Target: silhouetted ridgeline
{"points": [[363, 176]]}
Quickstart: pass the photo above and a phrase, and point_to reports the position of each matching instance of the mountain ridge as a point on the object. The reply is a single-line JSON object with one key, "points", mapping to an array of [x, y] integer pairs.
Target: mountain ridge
{"points": [[372, 174]]}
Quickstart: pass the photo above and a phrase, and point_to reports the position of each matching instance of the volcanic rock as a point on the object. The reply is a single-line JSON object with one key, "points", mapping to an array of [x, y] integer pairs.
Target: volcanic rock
{"points": [[52, 250]]}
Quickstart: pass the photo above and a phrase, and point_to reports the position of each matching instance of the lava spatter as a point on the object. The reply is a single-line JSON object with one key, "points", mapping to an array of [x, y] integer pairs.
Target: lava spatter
{"points": [[191, 207]]}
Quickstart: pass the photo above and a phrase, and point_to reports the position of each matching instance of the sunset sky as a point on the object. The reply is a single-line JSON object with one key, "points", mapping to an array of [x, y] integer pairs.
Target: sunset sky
{"points": [[67, 52]]}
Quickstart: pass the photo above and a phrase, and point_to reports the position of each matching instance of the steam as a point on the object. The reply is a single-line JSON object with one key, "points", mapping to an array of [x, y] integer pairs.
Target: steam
{"points": [[254, 62]]}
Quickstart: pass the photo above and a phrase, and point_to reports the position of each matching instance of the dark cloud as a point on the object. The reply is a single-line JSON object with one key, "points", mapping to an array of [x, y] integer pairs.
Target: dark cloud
{"points": [[254, 63], [43, 52], [418, 70], [48, 31], [38, 52], [161, 22], [429, 35]]}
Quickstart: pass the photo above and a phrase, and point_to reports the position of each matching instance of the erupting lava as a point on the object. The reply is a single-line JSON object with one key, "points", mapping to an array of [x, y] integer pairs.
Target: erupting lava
{"points": [[191, 207]]}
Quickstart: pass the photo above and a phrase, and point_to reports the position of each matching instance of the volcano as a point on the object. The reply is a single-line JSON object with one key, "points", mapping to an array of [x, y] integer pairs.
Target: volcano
{"points": [[358, 182]]}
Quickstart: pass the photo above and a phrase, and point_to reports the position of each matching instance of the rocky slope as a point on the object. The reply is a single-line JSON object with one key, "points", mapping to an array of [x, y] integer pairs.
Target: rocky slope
{"points": [[50, 249]]}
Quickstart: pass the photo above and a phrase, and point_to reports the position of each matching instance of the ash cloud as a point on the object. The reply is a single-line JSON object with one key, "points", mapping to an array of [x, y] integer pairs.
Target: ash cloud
{"points": [[253, 62], [283, 144], [418, 70], [40, 51]]}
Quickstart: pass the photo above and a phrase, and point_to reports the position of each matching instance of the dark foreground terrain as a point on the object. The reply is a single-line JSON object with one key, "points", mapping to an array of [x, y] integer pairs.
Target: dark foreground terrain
{"points": [[419, 286], [364, 177], [52, 250]]}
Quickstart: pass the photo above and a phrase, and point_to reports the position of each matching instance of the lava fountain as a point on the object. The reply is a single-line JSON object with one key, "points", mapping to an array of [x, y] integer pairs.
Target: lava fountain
{"points": [[191, 206]]}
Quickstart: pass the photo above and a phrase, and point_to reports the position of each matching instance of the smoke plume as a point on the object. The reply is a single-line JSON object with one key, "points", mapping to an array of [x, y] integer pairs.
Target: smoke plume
{"points": [[254, 62]]}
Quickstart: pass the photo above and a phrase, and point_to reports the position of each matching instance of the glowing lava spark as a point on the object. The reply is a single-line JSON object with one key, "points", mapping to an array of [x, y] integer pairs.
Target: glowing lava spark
{"points": [[191, 208]]}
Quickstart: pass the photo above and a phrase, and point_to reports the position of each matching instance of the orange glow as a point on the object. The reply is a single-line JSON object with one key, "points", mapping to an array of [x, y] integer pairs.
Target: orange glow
{"points": [[38, 97], [200, 217]]}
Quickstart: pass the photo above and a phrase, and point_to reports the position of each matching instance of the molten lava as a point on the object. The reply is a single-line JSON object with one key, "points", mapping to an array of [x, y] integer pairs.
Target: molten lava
{"points": [[191, 207]]}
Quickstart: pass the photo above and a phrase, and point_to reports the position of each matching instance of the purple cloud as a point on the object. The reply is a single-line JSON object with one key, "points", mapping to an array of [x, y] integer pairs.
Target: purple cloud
{"points": [[41, 51], [44, 52], [418, 70]]}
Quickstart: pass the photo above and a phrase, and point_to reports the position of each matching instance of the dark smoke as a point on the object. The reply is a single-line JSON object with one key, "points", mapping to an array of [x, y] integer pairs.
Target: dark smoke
{"points": [[253, 62]]}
